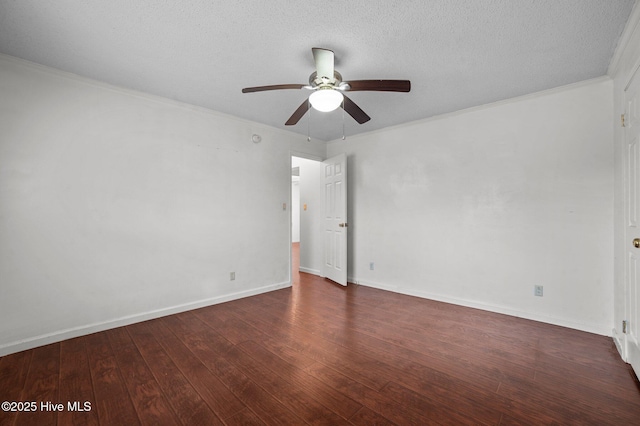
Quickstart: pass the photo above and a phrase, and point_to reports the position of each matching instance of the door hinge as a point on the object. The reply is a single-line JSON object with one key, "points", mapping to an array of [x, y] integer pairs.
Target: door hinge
{"points": [[622, 120], [625, 326]]}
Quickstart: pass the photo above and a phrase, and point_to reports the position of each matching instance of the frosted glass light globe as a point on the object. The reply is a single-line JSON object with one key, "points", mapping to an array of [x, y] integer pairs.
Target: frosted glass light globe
{"points": [[326, 100]]}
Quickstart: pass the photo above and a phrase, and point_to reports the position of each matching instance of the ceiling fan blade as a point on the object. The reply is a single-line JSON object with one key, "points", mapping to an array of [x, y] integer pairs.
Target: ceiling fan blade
{"points": [[298, 114], [324, 60], [355, 111], [380, 85], [273, 87]]}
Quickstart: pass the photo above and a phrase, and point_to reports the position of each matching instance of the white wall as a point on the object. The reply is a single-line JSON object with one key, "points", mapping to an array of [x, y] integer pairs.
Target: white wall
{"points": [[117, 206], [295, 210], [479, 206]]}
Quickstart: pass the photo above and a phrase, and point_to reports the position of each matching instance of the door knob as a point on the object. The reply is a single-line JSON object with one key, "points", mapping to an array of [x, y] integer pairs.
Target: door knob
{"points": [[344, 225], [636, 242]]}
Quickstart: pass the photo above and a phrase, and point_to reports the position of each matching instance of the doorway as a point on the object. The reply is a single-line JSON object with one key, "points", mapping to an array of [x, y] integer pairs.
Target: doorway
{"points": [[306, 216]]}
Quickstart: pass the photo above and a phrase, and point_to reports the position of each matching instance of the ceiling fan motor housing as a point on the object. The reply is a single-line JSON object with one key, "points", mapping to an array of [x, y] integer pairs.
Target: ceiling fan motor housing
{"points": [[316, 82]]}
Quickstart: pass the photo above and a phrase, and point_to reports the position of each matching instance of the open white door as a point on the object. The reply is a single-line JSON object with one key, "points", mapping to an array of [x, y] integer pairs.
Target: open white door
{"points": [[334, 264], [631, 327]]}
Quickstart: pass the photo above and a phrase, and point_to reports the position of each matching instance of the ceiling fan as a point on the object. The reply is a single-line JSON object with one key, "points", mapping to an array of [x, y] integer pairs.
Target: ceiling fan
{"points": [[328, 89]]}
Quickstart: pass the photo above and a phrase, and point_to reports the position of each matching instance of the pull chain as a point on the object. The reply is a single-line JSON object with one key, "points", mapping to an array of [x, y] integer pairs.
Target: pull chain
{"points": [[309, 124], [343, 138]]}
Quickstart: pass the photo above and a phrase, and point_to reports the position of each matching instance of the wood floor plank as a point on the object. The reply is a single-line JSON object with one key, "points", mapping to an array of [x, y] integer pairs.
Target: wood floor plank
{"points": [[444, 414], [326, 352], [41, 386], [613, 378], [296, 377], [246, 417], [286, 352], [231, 328], [76, 387], [113, 402], [187, 404], [212, 390], [207, 347], [375, 401], [367, 417], [598, 401], [291, 395], [146, 394], [13, 375], [564, 409]]}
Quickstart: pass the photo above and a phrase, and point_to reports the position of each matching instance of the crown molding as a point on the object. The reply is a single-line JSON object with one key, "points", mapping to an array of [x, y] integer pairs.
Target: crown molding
{"points": [[627, 34]]}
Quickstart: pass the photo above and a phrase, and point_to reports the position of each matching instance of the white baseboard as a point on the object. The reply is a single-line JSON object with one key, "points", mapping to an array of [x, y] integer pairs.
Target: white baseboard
{"points": [[485, 307], [70, 333], [620, 344], [309, 271], [633, 357]]}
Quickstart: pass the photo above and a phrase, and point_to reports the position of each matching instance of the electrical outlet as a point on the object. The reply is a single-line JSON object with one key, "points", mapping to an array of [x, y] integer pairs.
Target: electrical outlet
{"points": [[232, 276], [537, 290], [371, 266]]}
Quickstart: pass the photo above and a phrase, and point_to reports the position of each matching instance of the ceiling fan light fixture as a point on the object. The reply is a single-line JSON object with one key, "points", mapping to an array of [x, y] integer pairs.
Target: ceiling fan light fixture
{"points": [[327, 86], [326, 100]]}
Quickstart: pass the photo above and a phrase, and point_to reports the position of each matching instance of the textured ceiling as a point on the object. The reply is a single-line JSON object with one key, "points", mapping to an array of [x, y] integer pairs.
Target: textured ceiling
{"points": [[457, 54]]}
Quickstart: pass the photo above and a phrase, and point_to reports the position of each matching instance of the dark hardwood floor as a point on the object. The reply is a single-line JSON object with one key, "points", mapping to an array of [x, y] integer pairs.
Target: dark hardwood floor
{"points": [[318, 353]]}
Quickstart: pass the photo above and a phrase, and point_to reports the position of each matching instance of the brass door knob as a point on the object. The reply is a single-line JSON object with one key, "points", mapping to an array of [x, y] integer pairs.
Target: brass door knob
{"points": [[636, 242]]}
